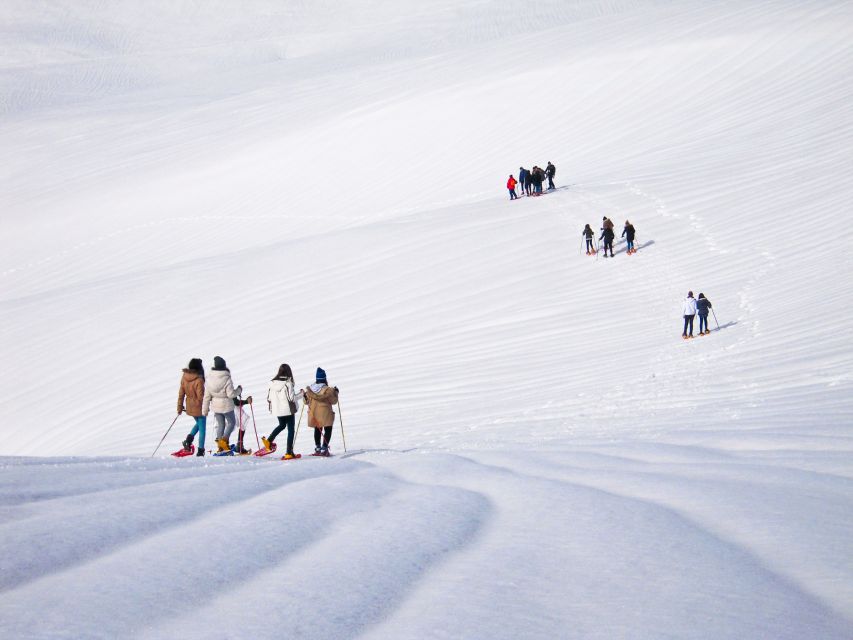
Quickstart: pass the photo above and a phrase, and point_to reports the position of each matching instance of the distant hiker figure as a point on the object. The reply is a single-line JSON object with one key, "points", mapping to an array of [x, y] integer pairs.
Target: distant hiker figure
{"points": [[550, 171], [607, 235], [320, 398], [283, 402], [588, 233], [536, 176], [628, 233], [192, 390], [510, 184], [524, 179], [689, 311], [703, 305], [220, 396]]}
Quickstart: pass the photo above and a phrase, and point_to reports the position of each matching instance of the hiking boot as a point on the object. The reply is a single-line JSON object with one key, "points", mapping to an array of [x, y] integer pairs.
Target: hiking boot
{"points": [[188, 442], [288, 456], [324, 450], [317, 450], [267, 444], [222, 443], [200, 452]]}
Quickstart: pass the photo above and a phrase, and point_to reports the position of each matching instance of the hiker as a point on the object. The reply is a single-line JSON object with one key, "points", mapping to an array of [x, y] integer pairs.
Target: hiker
{"points": [[220, 395], [192, 390], [688, 308], [588, 233], [628, 233], [283, 403], [550, 171], [320, 398], [510, 184], [536, 175], [607, 235], [524, 179], [703, 305]]}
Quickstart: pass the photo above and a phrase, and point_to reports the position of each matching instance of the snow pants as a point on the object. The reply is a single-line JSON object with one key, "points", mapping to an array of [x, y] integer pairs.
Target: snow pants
{"points": [[224, 424], [703, 322], [688, 322], [512, 194], [550, 183], [589, 246], [284, 422], [326, 437], [199, 428]]}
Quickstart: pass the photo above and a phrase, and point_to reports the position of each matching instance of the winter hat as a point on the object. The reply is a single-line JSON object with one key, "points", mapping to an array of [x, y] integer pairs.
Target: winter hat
{"points": [[701, 295], [195, 364], [321, 375], [219, 363], [689, 294]]}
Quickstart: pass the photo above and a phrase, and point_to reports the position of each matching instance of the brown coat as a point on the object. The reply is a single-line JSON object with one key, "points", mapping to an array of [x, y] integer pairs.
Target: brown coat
{"points": [[320, 412], [192, 388]]}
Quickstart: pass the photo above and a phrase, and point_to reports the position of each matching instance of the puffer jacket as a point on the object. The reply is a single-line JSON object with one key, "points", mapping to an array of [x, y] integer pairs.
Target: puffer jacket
{"points": [[280, 391], [702, 306], [192, 389], [689, 307], [219, 392], [320, 399]]}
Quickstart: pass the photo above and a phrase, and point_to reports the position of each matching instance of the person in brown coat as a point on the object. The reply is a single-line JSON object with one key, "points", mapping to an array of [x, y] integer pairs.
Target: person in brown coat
{"points": [[192, 390], [320, 398]]}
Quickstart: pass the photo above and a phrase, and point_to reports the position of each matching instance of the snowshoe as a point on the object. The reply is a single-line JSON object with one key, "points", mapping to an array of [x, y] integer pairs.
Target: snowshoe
{"points": [[266, 451], [228, 452], [183, 452], [291, 456]]}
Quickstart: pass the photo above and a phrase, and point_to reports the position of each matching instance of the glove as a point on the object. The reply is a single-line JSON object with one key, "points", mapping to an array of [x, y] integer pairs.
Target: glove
{"points": [[239, 390], [180, 410], [249, 400]]}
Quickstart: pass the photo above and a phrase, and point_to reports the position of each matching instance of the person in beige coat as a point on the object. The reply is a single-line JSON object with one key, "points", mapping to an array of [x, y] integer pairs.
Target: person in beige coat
{"points": [[221, 396], [321, 398], [191, 391]]}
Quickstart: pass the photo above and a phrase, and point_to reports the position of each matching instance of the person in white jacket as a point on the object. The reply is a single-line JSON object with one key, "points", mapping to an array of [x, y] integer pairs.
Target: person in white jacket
{"points": [[283, 402], [219, 395], [688, 309]]}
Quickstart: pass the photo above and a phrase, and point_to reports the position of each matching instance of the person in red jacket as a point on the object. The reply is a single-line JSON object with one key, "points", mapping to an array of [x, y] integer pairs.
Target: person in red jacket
{"points": [[510, 184]]}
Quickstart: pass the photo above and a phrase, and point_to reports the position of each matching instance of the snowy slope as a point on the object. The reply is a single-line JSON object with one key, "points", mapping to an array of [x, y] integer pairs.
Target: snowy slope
{"points": [[536, 452]]}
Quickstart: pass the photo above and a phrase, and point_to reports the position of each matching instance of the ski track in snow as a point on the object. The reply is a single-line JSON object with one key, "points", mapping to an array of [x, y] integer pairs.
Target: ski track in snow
{"points": [[533, 450]]}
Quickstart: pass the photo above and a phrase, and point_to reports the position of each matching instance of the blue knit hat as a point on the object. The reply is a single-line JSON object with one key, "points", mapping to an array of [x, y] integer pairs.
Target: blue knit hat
{"points": [[321, 375]]}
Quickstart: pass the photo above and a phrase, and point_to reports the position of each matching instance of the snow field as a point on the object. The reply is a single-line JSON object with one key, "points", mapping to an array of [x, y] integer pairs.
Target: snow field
{"points": [[535, 451]]}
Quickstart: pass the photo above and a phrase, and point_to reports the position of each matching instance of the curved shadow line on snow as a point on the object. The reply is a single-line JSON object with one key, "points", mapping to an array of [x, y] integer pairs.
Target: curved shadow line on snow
{"points": [[735, 549], [53, 557]]}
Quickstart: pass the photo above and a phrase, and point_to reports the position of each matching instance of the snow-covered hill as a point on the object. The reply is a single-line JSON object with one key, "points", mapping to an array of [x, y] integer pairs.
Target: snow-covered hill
{"points": [[532, 449]]}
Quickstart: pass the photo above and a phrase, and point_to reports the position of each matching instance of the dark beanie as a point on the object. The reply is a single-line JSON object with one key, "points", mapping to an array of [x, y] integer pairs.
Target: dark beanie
{"points": [[321, 375], [219, 363]]}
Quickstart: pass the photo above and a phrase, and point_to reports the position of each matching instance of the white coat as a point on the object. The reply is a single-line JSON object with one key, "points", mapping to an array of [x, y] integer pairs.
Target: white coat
{"points": [[689, 307], [219, 392], [280, 391]]}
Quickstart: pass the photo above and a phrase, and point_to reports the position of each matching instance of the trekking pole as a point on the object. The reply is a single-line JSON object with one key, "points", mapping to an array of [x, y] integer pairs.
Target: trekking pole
{"points": [[254, 425], [341, 414], [580, 248], [165, 434], [715, 318], [298, 422]]}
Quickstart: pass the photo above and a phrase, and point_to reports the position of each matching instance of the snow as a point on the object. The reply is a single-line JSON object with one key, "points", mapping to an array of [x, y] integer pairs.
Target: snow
{"points": [[532, 450]]}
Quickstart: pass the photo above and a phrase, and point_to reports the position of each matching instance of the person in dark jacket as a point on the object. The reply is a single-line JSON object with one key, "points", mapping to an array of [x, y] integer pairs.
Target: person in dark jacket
{"points": [[607, 235], [628, 233], [588, 233], [550, 171], [703, 305], [536, 178], [524, 180]]}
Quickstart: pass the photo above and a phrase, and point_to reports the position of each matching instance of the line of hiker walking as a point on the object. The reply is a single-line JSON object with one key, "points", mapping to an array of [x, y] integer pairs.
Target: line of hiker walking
{"points": [[607, 236], [198, 395], [690, 308], [531, 180]]}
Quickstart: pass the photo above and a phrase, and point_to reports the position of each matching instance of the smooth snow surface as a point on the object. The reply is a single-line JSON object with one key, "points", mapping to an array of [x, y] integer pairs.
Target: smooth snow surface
{"points": [[533, 451]]}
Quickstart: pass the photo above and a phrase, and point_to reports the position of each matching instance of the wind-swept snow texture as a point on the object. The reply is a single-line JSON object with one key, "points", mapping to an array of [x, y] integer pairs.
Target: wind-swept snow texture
{"points": [[533, 450]]}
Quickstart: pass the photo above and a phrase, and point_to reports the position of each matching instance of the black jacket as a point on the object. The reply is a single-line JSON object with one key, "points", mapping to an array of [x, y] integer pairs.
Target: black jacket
{"points": [[702, 306], [630, 231]]}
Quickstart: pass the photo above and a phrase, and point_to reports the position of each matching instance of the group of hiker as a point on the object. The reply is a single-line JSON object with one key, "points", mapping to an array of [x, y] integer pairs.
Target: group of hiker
{"points": [[531, 180], [607, 236], [691, 308], [198, 395]]}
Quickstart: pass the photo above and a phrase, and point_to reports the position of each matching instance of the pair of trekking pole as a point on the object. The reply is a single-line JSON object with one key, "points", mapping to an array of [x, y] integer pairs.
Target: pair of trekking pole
{"points": [[340, 413]]}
